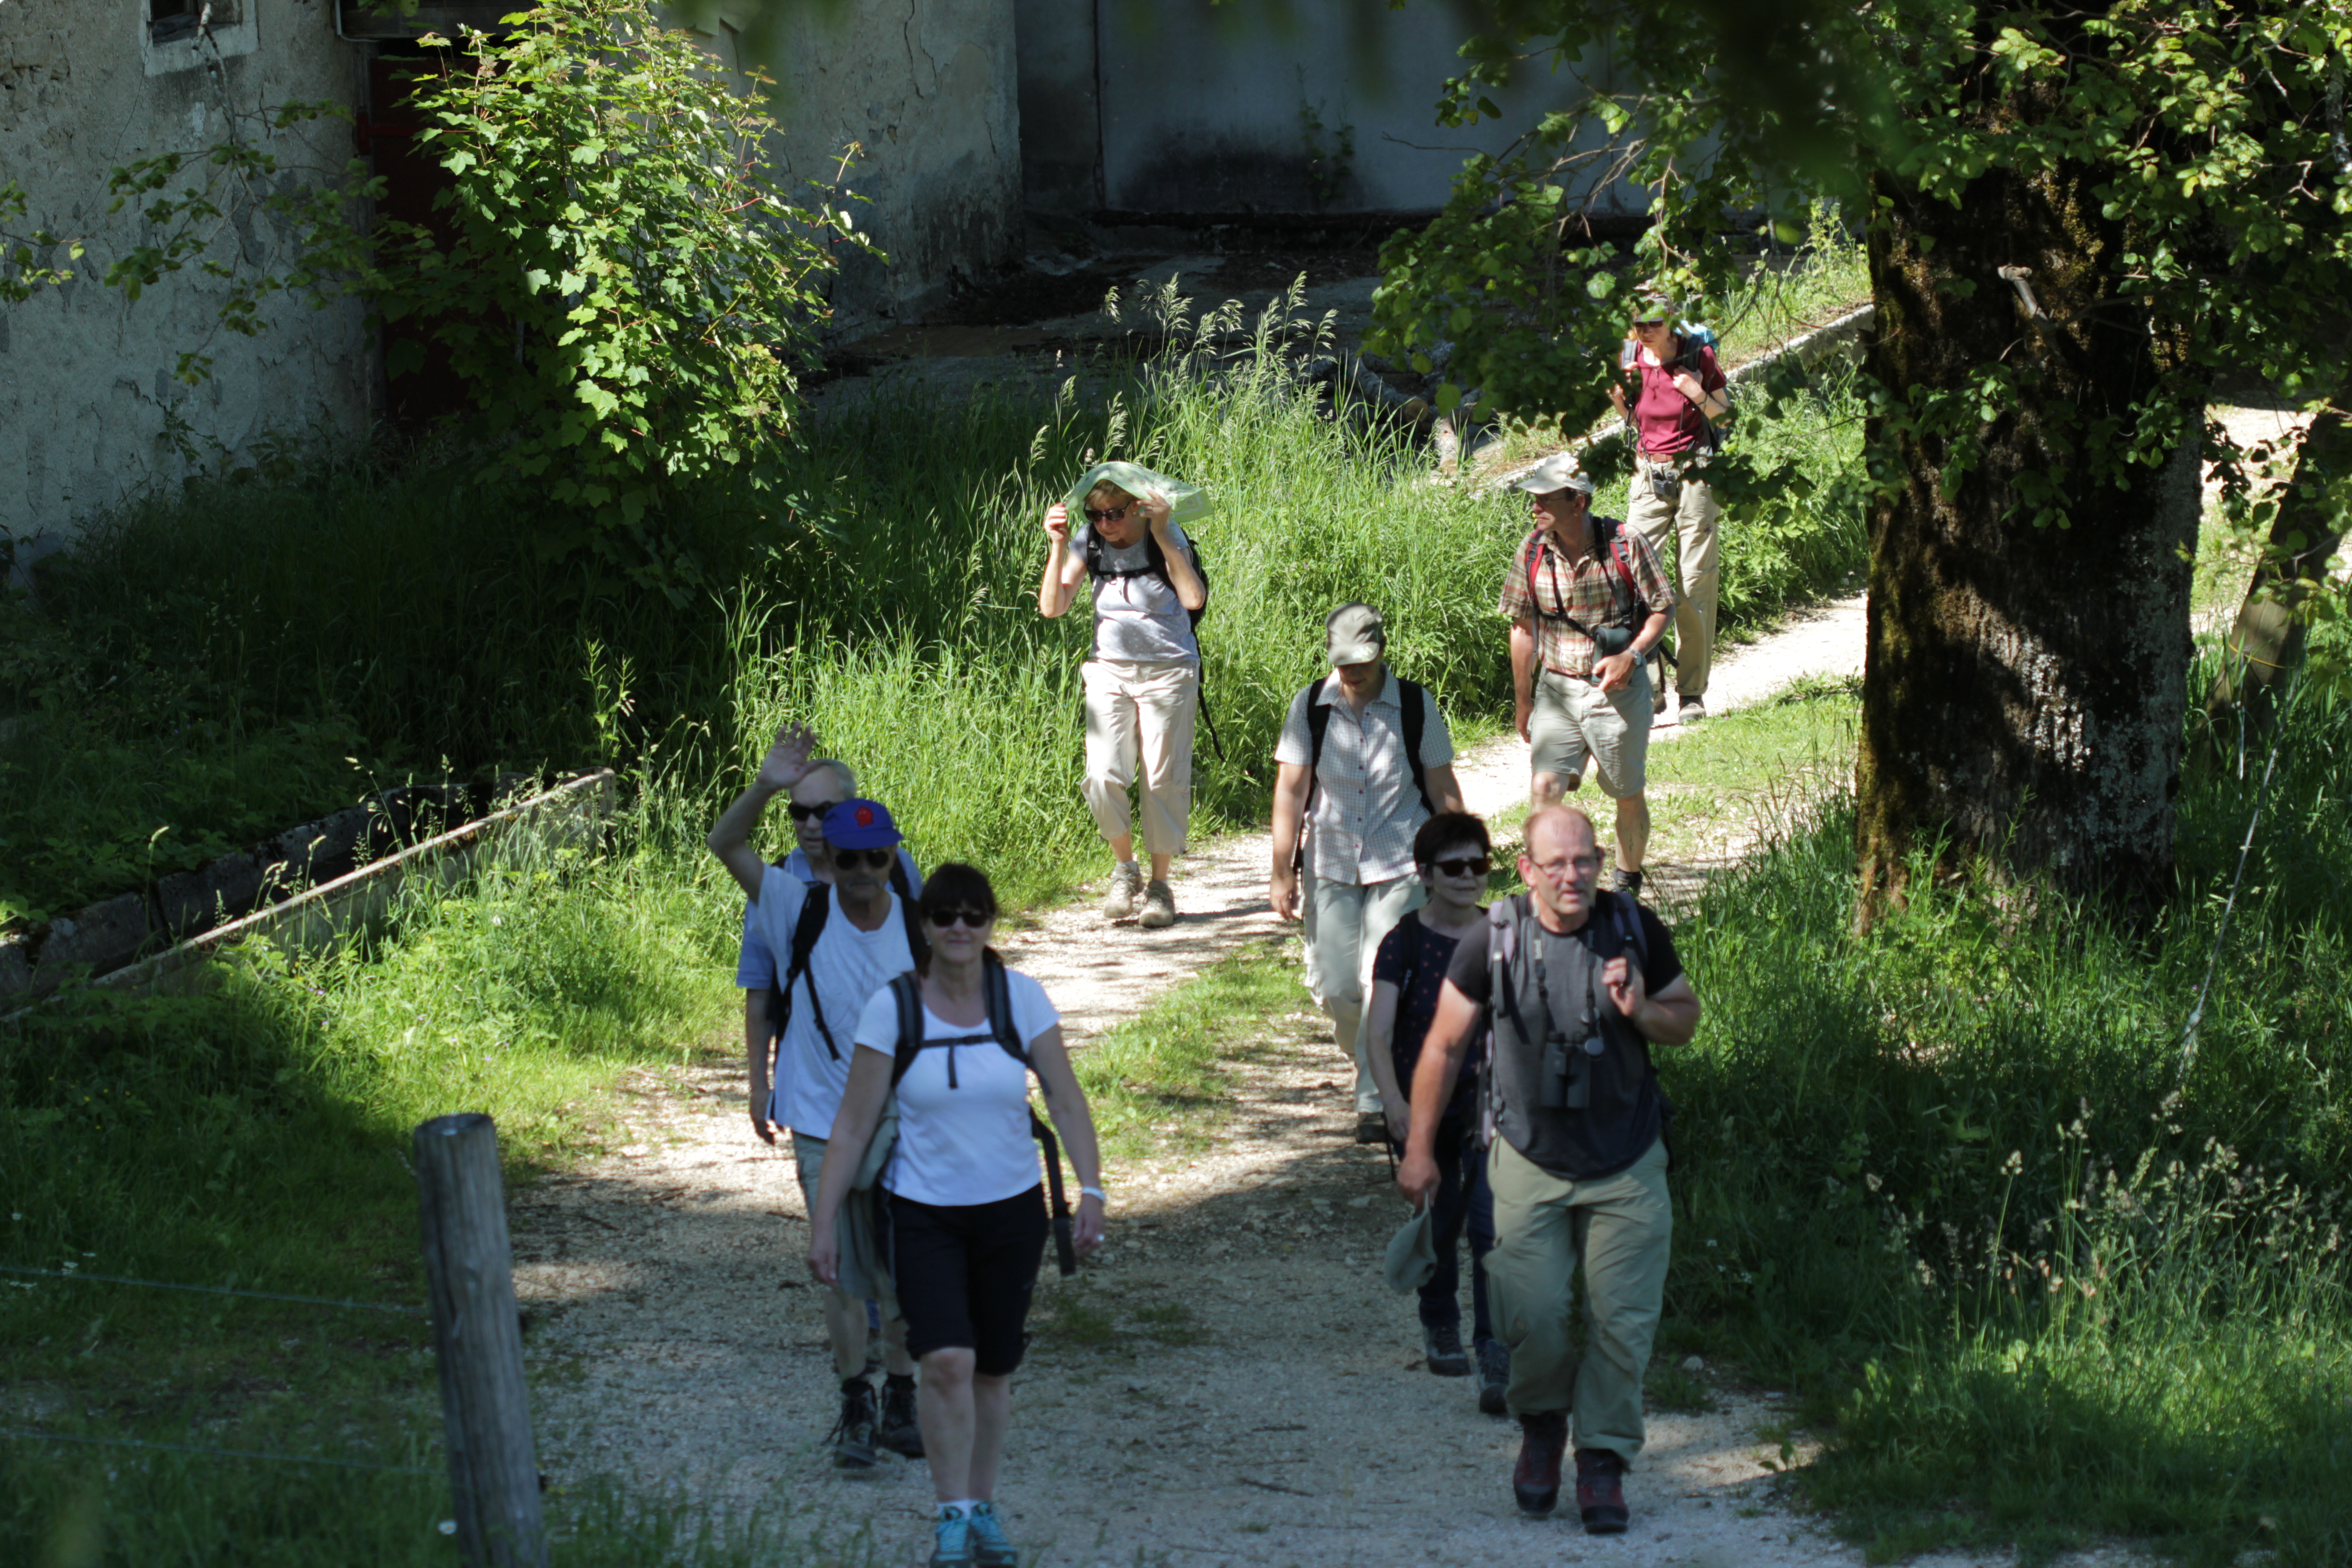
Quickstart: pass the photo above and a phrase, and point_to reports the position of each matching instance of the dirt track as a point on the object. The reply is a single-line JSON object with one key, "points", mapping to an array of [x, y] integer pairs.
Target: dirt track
{"points": [[1228, 1382]]}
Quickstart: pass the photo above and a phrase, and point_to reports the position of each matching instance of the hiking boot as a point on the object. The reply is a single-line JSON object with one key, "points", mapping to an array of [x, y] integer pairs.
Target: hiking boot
{"points": [[990, 1548], [1125, 888], [853, 1435], [1599, 1491], [1440, 1344], [899, 1430], [1690, 710], [1159, 907], [951, 1539], [1493, 1378], [1371, 1126], [1543, 1441], [1629, 883]]}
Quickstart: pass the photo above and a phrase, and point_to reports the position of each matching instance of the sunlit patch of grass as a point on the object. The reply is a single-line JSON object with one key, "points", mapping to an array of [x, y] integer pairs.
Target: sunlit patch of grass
{"points": [[1164, 1079]]}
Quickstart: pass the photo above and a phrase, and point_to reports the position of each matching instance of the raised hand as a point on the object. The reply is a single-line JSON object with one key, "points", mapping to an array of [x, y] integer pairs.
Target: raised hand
{"points": [[1057, 523], [787, 761], [1156, 511]]}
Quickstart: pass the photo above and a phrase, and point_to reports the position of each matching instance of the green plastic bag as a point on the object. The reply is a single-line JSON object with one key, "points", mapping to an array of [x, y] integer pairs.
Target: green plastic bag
{"points": [[1186, 503]]}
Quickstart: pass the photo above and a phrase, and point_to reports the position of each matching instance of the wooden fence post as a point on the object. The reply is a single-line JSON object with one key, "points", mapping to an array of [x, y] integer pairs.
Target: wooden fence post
{"points": [[485, 1409]]}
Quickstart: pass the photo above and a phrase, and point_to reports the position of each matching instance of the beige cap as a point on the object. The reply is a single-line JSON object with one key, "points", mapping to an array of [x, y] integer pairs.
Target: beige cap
{"points": [[1353, 634], [1561, 471]]}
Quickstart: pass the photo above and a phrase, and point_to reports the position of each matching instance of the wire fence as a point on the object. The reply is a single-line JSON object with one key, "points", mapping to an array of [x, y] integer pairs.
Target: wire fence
{"points": [[83, 1277]]}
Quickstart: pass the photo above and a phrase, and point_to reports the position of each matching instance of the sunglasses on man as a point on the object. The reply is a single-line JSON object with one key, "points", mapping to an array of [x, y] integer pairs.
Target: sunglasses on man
{"points": [[804, 813], [850, 859]]}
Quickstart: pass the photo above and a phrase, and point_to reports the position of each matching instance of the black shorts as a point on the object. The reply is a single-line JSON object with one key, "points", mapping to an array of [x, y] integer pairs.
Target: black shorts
{"points": [[965, 1274]]}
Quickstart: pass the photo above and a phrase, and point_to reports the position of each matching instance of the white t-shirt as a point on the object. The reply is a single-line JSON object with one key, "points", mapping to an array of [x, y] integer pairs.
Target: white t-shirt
{"points": [[846, 966], [969, 1145], [756, 966]]}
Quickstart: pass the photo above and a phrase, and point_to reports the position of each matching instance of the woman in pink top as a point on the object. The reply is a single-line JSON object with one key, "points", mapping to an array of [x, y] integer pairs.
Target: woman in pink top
{"points": [[1679, 396]]}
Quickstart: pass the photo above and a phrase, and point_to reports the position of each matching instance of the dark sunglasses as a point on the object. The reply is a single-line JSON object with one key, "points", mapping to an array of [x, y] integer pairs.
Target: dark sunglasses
{"points": [[803, 813], [1111, 516], [1458, 867], [850, 859], [946, 918]]}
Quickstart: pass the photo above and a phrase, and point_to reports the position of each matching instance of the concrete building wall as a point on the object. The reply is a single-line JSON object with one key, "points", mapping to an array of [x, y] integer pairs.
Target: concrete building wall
{"points": [[86, 376], [929, 88], [1234, 109], [1061, 112]]}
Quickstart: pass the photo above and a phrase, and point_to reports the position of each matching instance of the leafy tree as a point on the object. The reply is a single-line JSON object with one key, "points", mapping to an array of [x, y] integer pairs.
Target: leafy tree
{"points": [[613, 270], [2077, 220]]}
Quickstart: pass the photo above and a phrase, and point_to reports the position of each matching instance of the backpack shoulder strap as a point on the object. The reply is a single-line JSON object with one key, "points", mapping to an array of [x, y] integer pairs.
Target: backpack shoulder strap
{"points": [[1318, 720], [1504, 918], [898, 883], [1618, 554], [908, 1001], [919, 946], [1625, 918], [815, 909], [1416, 700], [997, 987]]}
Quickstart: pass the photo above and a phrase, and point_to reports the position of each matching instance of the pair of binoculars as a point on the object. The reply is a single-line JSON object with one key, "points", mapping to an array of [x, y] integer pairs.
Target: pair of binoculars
{"points": [[1567, 1075]]}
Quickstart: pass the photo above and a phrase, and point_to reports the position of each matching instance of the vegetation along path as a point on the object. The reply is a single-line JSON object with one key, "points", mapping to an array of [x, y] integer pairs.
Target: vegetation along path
{"points": [[1228, 1381]]}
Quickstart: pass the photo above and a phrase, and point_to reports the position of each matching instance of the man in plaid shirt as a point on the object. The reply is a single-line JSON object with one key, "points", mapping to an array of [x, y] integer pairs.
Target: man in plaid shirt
{"points": [[1587, 602]]}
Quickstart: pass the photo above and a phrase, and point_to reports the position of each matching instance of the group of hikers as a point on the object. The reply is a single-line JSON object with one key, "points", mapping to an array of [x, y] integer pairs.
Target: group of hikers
{"points": [[1504, 1047]]}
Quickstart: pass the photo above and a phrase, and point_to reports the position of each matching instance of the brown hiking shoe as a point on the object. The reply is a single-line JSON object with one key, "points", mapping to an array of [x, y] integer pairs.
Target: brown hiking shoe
{"points": [[1601, 1491], [1159, 907], [1543, 1441]]}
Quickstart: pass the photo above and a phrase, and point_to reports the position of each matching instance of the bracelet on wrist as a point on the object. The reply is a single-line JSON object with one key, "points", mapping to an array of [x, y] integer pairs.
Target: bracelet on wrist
{"points": [[1094, 1193]]}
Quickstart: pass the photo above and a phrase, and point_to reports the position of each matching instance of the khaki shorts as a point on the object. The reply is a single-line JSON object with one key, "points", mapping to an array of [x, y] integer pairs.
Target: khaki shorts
{"points": [[808, 1154], [1575, 721]]}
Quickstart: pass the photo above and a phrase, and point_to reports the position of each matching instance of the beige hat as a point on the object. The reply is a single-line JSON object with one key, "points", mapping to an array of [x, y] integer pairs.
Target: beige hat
{"points": [[1561, 471], [1353, 634]]}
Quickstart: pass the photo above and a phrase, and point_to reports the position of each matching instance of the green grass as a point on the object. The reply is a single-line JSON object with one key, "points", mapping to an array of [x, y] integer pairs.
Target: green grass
{"points": [[1752, 771], [1947, 1179], [1164, 1078]]}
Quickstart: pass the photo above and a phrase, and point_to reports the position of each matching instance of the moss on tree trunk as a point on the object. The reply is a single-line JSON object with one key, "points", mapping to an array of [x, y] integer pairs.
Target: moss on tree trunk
{"points": [[2025, 685]]}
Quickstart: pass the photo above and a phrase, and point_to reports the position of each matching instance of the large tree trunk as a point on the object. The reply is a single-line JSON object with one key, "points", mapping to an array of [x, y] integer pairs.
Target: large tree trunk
{"points": [[2025, 686]]}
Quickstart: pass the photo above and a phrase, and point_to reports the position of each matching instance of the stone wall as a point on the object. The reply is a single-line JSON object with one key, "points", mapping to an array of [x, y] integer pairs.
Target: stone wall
{"points": [[928, 88], [86, 376]]}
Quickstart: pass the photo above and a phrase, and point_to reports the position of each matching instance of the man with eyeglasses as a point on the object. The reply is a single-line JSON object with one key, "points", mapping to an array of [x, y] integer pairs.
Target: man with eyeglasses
{"points": [[1576, 985], [866, 937], [1142, 675], [828, 781], [1587, 602], [1451, 856], [1680, 396]]}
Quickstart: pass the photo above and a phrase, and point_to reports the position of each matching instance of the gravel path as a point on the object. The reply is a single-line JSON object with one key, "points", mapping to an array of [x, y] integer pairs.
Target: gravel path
{"points": [[1228, 1382]]}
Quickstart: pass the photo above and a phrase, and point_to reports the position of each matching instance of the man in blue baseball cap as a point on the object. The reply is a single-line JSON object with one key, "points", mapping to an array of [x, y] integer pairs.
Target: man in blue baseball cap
{"points": [[838, 958]]}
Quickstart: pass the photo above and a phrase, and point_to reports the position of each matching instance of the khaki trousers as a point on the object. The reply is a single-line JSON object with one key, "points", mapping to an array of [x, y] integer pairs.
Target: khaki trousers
{"points": [[1618, 1228], [1141, 713], [1344, 924], [1697, 566]]}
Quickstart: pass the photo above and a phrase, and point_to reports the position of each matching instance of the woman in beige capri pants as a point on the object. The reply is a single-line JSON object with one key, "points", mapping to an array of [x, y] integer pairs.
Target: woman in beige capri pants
{"points": [[1143, 676]]}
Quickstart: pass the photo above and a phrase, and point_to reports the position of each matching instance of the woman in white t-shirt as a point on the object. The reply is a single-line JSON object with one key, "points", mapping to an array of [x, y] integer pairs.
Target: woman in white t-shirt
{"points": [[967, 1208]]}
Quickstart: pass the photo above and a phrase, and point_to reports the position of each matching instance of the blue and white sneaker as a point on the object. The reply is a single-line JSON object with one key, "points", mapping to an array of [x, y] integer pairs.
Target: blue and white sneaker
{"points": [[990, 1548], [951, 1546]]}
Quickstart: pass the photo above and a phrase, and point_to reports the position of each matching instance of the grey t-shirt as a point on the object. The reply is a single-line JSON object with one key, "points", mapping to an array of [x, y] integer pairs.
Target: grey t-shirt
{"points": [[1138, 618]]}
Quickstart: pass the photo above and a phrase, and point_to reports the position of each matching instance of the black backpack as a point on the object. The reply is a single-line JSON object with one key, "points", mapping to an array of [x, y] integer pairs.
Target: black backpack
{"points": [[816, 907], [1504, 917], [906, 995], [1415, 700], [1156, 565]]}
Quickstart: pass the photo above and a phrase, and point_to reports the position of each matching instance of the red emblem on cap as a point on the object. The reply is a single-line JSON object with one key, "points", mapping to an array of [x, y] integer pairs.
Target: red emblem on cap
{"points": [[865, 816]]}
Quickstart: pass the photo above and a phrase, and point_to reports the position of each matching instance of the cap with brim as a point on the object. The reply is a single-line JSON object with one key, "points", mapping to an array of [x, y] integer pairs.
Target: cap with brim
{"points": [[1412, 1253], [860, 825], [1561, 471], [1353, 634]]}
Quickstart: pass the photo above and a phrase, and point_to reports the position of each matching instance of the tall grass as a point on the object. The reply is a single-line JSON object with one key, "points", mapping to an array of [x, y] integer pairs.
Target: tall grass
{"points": [[1948, 1176]]}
